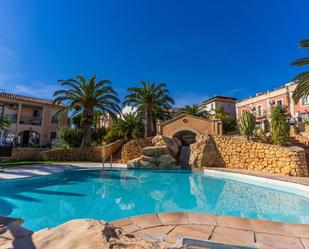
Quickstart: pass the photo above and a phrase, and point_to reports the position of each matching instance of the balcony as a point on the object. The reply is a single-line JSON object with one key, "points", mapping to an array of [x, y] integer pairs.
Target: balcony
{"points": [[262, 114], [11, 117], [30, 120]]}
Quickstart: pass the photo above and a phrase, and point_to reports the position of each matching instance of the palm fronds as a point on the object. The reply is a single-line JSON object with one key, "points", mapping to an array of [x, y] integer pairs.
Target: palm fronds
{"points": [[88, 97], [302, 80]]}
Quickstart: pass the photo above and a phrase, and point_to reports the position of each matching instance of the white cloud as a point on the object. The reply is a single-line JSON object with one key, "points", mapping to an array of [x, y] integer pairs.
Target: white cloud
{"points": [[128, 109]]}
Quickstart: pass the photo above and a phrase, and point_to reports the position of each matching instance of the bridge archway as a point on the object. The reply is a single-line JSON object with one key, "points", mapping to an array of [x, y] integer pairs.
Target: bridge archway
{"points": [[190, 123]]}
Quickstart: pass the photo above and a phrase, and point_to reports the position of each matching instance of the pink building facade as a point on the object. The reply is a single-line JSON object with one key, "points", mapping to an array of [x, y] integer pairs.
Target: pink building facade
{"points": [[260, 105], [34, 121]]}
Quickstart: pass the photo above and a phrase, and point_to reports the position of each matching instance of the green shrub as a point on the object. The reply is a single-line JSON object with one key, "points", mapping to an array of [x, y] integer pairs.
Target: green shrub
{"points": [[247, 124], [279, 127], [229, 124], [62, 147], [98, 135], [112, 135], [137, 133], [72, 136]]}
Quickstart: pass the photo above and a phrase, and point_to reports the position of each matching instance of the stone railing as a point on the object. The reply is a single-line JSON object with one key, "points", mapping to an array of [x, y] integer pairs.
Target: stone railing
{"points": [[92, 154], [242, 154]]}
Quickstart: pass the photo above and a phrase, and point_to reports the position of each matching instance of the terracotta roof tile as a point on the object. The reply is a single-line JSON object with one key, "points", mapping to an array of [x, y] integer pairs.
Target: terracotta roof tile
{"points": [[26, 98]]}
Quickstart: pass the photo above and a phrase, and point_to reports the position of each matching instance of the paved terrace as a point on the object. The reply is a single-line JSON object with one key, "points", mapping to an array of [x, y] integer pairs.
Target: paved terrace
{"points": [[170, 228], [41, 170]]}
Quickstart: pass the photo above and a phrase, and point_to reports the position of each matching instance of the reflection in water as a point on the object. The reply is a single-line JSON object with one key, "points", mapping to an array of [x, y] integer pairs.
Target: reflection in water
{"points": [[110, 195]]}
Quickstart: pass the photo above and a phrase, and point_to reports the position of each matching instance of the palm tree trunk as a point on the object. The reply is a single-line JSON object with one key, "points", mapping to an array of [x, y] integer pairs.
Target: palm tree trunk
{"points": [[148, 119], [154, 126], [87, 123]]}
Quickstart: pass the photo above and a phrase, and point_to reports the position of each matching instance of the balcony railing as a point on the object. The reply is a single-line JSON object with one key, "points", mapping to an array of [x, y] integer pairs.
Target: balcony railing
{"points": [[261, 114], [30, 120], [11, 117]]}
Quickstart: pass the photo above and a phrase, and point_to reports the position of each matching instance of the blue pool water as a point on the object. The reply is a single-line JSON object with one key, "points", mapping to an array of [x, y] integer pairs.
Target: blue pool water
{"points": [[109, 195]]}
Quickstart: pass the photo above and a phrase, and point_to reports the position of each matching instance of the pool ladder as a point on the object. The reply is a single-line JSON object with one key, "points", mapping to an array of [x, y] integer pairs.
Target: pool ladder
{"points": [[110, 161]]}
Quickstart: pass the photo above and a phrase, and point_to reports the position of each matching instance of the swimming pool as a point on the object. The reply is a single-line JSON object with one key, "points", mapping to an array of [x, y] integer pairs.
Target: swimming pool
{"points": [[110, 195]]}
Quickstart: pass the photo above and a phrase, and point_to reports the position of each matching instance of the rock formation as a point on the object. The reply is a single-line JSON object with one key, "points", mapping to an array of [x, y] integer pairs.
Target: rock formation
{"points": [[80, 234], [203, 152], [173, 144], [154, 157], [163, 154]]}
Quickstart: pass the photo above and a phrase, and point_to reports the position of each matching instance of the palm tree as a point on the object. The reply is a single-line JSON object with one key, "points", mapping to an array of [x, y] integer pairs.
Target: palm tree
{"points": [[194, 110], [129, 126], [220, 113], [302, 88], [4, 123], [87, 97], [149, 99]]}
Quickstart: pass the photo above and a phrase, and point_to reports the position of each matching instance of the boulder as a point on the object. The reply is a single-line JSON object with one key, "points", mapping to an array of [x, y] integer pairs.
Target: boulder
{"points": [[172, 144], [168, 159], [82, 234], [134, 163], [155, 151], [144, 164], [148, 159], [203, 152]]}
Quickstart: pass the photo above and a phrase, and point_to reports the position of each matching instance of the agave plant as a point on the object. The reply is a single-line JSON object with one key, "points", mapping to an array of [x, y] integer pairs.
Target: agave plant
{"points": [[247, 124], [302, 79], [279, 127]]}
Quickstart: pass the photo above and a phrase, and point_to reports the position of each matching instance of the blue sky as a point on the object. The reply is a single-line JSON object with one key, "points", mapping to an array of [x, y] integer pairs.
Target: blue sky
{"points": [[199, 48]]}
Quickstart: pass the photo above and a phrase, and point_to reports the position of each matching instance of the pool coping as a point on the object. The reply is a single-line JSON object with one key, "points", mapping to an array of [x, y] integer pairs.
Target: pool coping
{"points": [[280, 185], [171, 228], [256, 178]]}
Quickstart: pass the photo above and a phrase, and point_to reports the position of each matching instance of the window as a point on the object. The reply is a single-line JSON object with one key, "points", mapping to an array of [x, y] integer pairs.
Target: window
{"points": [[53, 135], [36, 113], [8, 138], [279, 102], [211, 106], [55, 119], [305, 100], [260, 110], [243, 111], [1, 111]]}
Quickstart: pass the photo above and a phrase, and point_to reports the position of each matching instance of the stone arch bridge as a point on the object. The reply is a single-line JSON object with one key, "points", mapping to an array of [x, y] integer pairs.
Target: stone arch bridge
{"points": [[188, 123]]}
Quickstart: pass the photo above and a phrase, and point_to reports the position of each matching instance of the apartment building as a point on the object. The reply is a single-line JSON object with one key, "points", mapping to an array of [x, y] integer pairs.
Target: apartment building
{"points": [[261, 103], [227, 103], [33, 120]]}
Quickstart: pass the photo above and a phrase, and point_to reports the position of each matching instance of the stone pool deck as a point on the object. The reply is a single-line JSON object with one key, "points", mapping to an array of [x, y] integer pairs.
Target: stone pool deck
{"points": [[41, 170], [170, 228], [293, 179]]}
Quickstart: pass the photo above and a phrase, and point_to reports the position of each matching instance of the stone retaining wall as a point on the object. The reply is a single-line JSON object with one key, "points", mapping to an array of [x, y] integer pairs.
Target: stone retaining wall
{"points": [[34, 154], [242, 154], [93, 154], [133, 149]]}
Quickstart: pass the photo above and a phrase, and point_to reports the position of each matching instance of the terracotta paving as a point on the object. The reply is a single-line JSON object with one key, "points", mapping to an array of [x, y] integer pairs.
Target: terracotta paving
{"points": [[170, 228]]}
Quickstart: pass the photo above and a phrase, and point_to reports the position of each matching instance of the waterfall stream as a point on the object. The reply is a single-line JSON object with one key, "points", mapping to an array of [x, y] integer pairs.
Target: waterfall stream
{"points": [[184, 155]]}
